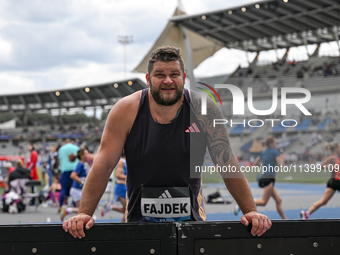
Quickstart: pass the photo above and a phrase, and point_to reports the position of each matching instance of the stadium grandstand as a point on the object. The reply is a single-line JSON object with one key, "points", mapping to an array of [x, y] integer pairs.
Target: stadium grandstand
{"points": [[49, 117], [274, 25], [254, 28]]}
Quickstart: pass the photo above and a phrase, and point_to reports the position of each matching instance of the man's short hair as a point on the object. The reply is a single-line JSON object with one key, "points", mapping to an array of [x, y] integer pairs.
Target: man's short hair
{"points": [[165, 54]]}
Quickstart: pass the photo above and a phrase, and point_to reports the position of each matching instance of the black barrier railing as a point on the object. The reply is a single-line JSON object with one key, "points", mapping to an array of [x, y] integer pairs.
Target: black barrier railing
{"points": [[115, 239], [285, 237], [207, 238]]}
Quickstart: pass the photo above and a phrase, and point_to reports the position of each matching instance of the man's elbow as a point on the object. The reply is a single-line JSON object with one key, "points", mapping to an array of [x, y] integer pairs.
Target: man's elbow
{"points": [[73, 175]]}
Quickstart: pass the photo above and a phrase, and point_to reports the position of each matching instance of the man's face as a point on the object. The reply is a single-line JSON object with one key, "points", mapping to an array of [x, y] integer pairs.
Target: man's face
{"points": [[166, 82]]}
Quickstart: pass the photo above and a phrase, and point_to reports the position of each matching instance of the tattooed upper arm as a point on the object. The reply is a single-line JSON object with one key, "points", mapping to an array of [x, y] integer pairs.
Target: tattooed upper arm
{"points": [[217, 137]]}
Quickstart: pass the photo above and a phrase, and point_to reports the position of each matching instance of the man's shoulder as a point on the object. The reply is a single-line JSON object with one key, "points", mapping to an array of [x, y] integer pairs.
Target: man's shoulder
{"points": [[79, 166], [61, 148], [199, 103], [67, 147], [121, 117], [126, 106], [130, 100], [194, 95], [74, 146], [64, 147], [196, 99]]}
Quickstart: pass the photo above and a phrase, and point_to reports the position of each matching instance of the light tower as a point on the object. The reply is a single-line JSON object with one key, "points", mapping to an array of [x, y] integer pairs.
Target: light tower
{"points": [[125, 40]]}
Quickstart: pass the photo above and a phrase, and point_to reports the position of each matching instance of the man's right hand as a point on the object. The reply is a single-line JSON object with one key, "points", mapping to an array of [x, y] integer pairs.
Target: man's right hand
{"points": [[75, 225]]}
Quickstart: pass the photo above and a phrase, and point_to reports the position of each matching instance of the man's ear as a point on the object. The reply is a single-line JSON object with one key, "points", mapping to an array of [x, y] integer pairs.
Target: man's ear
{"points": [[147, 77]]}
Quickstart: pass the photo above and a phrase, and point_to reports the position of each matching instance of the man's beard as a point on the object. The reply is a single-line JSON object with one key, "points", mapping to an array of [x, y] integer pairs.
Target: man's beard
{"points": [[159, 98]]}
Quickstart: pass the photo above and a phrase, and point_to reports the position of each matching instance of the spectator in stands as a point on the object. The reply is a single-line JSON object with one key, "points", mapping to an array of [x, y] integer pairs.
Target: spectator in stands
{"points": [[299, 74], [313, 139], [257, 77], [286, 71], [68, 162], [32, 162], [274, 67], [249, 71], [334, 182], [315, 121]]}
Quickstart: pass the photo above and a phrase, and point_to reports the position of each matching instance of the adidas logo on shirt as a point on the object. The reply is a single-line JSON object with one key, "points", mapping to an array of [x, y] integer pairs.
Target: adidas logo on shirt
{"points": [[165, 205], [166, 194], [193, 129]]}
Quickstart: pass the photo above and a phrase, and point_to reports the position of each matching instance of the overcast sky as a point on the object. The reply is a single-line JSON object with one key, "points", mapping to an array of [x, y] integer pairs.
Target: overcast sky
{"points": [[59, 44]]}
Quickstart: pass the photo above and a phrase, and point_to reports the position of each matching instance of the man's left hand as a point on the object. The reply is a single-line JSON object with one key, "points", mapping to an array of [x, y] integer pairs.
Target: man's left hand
{"points": [[260, 223]]}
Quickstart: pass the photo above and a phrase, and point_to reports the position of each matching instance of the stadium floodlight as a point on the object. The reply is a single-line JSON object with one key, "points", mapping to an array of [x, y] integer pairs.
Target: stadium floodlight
{"points": [[230, 12], [286, 1], [125, 40], [115, 85], [204, 17], [257, 6], [244, 9]]}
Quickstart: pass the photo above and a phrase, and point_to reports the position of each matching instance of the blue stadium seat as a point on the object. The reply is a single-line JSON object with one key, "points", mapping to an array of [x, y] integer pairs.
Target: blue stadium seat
{"points": [[304, 125], [280, 128], [238, 129], [252, 129], [323, 124], [6, 137]]}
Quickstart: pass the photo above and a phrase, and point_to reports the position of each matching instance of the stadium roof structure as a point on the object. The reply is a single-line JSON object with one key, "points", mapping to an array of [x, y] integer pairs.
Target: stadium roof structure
{"points": [[266, 25], [196, 50], [80, 97]]}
